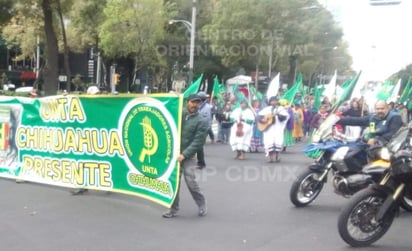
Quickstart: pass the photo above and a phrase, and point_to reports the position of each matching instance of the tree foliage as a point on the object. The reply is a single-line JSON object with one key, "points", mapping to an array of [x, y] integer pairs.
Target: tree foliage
{"points": [[233, 34], [6, 11], [263, 30], [132, 29], [85, 18], [24, 26]]}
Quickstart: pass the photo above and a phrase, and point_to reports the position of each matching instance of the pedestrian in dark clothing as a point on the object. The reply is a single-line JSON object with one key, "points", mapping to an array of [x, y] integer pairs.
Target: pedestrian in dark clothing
{"points": [[226, 123], [205, 110], [307, 116], [194, 132], [319, 117]]}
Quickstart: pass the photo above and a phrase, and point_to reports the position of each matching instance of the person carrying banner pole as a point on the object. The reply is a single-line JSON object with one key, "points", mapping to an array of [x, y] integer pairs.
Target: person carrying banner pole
{"points": [[194, 132]]}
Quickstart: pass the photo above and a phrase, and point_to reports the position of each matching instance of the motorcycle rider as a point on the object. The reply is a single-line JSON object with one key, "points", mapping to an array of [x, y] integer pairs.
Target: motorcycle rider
{"points": [[383, 124]]}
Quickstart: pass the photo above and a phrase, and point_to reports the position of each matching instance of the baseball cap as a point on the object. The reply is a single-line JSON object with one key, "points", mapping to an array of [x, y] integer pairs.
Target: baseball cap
{"points": [[93, 90], [202, 95], [194, 97]]}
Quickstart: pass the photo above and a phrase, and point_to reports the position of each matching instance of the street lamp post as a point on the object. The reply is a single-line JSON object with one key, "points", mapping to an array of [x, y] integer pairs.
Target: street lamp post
{"points": [[191, 26]]}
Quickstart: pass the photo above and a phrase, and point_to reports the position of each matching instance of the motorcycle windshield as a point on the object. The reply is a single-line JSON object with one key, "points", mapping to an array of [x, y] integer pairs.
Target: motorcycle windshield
{"points": [[332, 145], [327, 145], [324, 131]]}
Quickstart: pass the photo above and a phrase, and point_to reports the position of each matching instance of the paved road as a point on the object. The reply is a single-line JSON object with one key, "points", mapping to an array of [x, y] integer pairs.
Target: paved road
{"points": [[248, 203]]}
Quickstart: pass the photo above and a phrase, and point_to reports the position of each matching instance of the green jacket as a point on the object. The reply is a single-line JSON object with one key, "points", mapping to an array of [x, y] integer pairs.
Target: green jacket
{"points": [[194, 131]]}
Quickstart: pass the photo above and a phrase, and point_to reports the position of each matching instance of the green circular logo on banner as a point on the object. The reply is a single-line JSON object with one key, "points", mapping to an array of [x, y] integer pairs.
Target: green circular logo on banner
{"points": [[149, 135]]}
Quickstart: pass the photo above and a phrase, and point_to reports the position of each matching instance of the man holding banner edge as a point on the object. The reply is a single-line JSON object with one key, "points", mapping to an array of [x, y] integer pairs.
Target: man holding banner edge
{"points": [[194, 131]]}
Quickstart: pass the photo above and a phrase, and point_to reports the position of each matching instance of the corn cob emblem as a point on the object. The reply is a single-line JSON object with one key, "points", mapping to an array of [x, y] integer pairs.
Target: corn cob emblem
{"points": [[150, 139]]}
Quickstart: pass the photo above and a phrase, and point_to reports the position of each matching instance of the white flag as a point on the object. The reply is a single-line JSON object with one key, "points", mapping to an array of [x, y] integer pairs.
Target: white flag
{"points": [[273, 87], [357, 90], [330, 88]]}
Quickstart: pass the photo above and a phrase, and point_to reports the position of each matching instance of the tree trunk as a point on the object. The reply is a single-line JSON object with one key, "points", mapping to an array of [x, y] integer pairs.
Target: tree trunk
{"points": [[292, 70], [66, 48], [50, 71]]}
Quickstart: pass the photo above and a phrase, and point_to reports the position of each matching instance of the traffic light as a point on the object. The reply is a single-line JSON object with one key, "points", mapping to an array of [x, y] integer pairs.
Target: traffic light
{"points": [[116, 78]]}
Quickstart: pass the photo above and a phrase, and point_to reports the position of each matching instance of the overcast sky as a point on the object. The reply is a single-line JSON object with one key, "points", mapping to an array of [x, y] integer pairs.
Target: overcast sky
{"points": [[380, 37]]}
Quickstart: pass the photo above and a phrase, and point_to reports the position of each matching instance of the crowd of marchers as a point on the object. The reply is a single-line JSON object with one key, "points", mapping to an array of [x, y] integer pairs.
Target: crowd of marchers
{"points": [[273, 124]]}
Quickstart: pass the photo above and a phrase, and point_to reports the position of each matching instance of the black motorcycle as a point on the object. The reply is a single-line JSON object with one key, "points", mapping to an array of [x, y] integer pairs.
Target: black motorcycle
{"points": [[333, 155], [370, 212]]}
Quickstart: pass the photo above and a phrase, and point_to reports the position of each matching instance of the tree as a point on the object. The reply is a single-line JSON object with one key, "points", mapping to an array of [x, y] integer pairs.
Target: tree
{"points": [[59, 11], [132, 29], [6, 11], [32, 19], [50, 71], [85, 19], [24, 26]]}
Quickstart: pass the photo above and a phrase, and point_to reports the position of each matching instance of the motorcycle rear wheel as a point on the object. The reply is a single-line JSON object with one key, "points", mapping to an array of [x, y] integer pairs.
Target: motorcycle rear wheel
{"points": [[357, 224], [305, 188]]}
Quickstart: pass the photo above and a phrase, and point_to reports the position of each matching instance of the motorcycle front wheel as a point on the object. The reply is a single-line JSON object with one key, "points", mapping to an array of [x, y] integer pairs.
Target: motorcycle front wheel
{"points": [[406, 203], [357, 224], [305, 188]]}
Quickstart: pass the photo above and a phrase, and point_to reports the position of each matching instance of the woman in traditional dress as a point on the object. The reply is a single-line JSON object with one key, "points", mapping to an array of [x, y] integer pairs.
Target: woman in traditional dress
{"points": [[297, 132], [242, 129], [273, 134], [256, 144]]}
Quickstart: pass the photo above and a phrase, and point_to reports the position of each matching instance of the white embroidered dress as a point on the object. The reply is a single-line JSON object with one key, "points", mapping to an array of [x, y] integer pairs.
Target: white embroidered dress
{"points": [[246, 117], [273, 136]]}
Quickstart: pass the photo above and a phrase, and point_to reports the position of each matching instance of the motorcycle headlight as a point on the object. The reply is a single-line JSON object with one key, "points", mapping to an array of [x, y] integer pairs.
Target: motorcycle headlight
{"points": [[385, 154], [340, 153]]}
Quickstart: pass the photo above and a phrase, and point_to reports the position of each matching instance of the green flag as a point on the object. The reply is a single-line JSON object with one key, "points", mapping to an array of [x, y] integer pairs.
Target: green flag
{"points": [[218, 91], [386, 91], [317, 94], [252, 92], [259, 96], [193, 88], [406, 92], [347, 91], [289, 95], [305, 90]]}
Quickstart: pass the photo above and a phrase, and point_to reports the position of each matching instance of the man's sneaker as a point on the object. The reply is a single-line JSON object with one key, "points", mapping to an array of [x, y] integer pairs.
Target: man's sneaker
{"points": [[202, 211], [169, 214], [200, 167], [80, 191]]}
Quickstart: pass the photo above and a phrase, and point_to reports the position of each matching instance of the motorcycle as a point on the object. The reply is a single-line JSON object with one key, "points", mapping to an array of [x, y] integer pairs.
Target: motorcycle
{"points": [[332, 154], [379, 157], [370, 212]]}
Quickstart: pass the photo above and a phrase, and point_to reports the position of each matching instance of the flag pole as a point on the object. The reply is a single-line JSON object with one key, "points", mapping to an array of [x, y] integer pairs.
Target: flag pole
{"points": [[363, 106]]}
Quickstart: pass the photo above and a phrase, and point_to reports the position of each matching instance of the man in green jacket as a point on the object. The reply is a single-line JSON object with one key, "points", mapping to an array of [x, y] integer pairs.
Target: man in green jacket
{"points": [[194, 131]]}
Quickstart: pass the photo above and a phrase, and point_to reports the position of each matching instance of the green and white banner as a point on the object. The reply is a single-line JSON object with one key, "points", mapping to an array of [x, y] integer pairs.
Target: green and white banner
{"points": [[126, 144]]}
